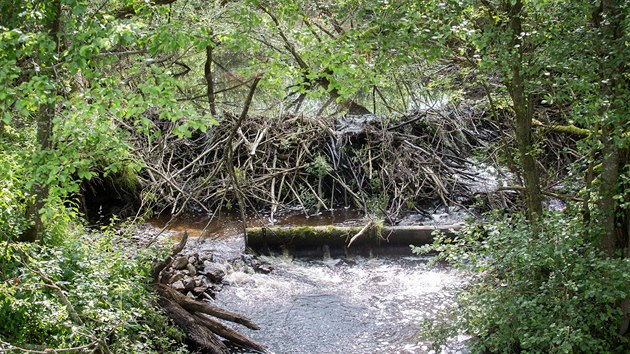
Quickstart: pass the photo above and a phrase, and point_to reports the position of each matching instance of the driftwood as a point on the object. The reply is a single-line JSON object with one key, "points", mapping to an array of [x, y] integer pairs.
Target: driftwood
{"points": [[193, 316]]}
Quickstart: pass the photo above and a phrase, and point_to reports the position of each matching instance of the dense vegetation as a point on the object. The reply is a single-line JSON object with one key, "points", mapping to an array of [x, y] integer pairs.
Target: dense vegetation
{"points": [[89, 89]]}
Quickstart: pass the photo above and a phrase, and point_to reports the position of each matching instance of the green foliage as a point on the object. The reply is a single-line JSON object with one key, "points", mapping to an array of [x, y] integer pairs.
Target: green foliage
{"points": [[552, 294], [102, 275], [12, 183], [320, 167]]}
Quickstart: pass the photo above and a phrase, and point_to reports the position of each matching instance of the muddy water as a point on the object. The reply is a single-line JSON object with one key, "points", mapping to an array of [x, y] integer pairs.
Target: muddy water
{"points": [[351, 305]]}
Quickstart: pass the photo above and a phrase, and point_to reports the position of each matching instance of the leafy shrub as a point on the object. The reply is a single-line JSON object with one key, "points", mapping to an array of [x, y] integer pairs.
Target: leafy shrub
{"points": [[103, 279], [552, 294]]}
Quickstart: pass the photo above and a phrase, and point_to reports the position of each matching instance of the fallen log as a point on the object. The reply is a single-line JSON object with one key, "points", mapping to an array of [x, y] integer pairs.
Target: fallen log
{"points": [[201, 336], [195, 306], [310, 240], [229, 334]]}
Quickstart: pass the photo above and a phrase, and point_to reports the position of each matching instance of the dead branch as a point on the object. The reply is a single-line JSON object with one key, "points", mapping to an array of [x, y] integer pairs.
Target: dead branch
{"points": [[370, 225]]}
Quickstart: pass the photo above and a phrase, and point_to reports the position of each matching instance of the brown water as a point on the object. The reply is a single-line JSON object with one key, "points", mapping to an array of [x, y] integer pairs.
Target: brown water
{"points": [[228, 224]]}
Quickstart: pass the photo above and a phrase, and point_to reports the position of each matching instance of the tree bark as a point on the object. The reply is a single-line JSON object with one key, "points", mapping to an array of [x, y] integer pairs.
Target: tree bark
{"points": [[210, 81], [609, 19], [607, 191], [523, 117], [45, 116]]}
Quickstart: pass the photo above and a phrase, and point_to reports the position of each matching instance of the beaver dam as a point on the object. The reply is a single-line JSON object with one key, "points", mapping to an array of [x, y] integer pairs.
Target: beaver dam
{"points": [[389, 166]]}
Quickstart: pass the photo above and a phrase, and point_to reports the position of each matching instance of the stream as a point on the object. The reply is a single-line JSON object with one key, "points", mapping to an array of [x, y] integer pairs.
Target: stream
{"points": [[335, 305]]}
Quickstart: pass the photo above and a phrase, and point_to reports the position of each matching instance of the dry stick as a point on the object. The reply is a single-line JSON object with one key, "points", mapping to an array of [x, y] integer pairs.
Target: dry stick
{"points": [[297, 196], [332, 195], [418, 117], [199, 334], [259, 136], [229, 152], [357, 200], [280, 189], [363, 231], [174, 185], [274, 204], [202, 155], [320, 201]]}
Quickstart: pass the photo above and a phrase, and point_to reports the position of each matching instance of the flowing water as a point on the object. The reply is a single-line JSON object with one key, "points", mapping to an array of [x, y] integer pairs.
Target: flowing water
{"points": [[349, 305], [343, 306]]}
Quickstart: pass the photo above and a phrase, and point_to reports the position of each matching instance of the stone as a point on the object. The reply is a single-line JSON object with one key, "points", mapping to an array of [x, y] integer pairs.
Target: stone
{"points": [[180, 263], [192, 259], [189, 283], [175, 278], [249, 260], [192, 271], [178, 285], [264, 268], [199, 289], [202, 280], [214, 272]]}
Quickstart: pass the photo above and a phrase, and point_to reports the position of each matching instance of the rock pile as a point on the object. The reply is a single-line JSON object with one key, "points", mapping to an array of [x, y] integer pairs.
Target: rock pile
{"points": [[202, 276]]}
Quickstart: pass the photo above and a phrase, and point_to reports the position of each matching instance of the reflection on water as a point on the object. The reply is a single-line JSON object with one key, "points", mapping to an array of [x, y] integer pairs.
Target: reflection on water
{"points": [[343, 306]]}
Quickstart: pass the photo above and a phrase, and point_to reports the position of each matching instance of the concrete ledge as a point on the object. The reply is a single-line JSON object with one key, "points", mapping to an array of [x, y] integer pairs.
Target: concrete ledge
{"points": [[333, 240]]}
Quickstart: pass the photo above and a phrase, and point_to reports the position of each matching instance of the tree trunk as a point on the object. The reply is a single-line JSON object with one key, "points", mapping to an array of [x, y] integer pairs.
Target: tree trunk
{"points": [[607, 191], [40, 188], [523, 126], [609, 18], [210, 81], [45, 116]]}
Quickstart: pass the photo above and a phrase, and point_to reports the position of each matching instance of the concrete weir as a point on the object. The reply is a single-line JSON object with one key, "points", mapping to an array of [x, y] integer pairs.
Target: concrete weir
{"points": [[322, 241]]}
